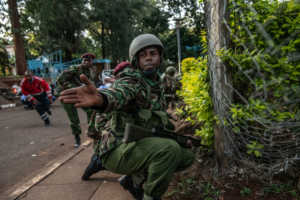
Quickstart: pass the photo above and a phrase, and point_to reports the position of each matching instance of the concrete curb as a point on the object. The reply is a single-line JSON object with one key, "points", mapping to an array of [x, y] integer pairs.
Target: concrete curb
{"points": [[21, 189]]}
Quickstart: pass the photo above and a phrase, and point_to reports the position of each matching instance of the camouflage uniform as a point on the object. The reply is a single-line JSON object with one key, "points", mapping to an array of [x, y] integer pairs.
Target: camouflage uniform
{"points": [[138, 98], [101, 120], [140, 101], [69, 79], [171, 85]]}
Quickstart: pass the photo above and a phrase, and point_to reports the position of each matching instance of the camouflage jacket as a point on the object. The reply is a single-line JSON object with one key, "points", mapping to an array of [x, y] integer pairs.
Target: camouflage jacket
{"points": [[170, 84], [132, 99], [71, 77]]}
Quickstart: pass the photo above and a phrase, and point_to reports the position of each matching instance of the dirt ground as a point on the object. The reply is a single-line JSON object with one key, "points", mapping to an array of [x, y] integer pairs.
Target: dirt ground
{"points": [[202, 182]]}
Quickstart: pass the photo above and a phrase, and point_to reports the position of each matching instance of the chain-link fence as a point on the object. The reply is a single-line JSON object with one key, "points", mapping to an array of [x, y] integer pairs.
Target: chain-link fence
{"points": [[256, 87]]}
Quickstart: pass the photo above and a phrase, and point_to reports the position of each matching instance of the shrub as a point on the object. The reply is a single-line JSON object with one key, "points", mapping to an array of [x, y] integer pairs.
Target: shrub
{"points": [[195, 93]]}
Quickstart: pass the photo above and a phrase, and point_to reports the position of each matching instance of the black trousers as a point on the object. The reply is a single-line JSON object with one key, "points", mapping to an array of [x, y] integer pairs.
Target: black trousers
{"points": [[43, 105]]}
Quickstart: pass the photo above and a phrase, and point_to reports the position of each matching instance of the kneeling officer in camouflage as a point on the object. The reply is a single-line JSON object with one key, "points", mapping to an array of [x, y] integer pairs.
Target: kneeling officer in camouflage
{"points": [[136, 102]]}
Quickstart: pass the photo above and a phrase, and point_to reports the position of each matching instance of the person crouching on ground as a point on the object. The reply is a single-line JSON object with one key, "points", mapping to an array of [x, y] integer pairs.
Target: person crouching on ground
{"points": [[101, 120], [136, 98], [38, 90]]}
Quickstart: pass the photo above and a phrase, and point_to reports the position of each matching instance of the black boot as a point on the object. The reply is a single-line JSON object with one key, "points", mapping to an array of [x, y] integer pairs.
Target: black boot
{"points": [[77, 141], [47, 122], [49, 112], [94, 167], [127, 184]]}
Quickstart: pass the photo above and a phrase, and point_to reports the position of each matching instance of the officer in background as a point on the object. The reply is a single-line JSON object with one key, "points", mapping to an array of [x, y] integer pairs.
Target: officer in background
{"points": [[136, 99], [69, 79], [37, 90], [171, 85]]}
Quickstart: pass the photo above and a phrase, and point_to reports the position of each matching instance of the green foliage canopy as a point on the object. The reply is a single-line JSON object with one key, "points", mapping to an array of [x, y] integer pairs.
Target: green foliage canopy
{"points": [[118, 22], [52, 25]]}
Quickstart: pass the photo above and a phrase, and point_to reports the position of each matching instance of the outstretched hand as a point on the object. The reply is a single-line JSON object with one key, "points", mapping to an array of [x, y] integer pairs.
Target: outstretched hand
{"points": [[83, 96]]}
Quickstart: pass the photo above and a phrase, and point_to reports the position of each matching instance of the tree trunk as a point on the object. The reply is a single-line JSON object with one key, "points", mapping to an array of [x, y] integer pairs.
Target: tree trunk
{"points": [[68, 54], [17, 37], [102, 41], [217, 12]]}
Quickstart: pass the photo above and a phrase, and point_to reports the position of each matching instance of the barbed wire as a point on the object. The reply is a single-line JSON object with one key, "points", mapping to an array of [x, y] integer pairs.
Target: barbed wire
{"points": [[275, 144]]}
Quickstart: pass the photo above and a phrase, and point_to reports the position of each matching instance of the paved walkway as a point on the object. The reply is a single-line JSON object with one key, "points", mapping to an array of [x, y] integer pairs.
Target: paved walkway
{"points": [[61, 180]]}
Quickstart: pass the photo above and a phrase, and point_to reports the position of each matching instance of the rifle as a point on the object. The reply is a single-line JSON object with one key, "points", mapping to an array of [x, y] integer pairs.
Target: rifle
{"points": [[135, 133]]}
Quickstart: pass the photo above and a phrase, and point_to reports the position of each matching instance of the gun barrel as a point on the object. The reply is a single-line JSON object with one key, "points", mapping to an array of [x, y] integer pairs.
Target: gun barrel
{"points": [[135, 133]]}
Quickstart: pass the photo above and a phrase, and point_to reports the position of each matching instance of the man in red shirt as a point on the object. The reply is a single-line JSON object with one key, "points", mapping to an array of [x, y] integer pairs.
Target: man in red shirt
{"points": [[38, 89]]}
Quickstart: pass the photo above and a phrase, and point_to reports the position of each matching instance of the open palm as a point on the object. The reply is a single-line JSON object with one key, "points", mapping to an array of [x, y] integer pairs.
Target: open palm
{"points": [[83, 96]]}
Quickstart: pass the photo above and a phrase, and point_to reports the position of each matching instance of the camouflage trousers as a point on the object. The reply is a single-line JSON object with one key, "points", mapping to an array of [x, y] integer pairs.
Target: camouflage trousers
{"points": [[157, 158], [72, 113]]}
